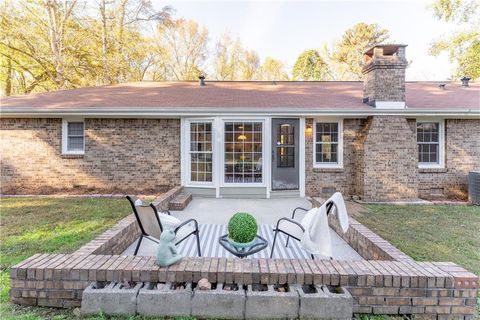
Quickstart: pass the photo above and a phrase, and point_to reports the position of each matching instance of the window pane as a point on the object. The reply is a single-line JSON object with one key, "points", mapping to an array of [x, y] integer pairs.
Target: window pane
{"points": [[201, 152], [428, 138], [75, 128], [326, 143], [75, 144], [243, 150]]}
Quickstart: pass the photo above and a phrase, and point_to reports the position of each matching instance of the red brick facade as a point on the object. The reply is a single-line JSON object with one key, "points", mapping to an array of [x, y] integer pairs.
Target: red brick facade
{"points": [[121, 155], [380, 161], [143, 155]]}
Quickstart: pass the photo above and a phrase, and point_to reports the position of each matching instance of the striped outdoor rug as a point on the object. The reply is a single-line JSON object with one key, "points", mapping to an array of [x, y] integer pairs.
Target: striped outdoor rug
{"points": [[210, 233]]}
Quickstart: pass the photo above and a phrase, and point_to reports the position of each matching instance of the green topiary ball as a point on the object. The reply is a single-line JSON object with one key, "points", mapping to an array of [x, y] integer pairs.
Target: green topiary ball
{"points": [[242, 227]]}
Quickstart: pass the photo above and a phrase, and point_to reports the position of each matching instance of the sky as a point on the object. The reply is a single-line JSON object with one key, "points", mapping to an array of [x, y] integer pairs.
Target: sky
{"points": [[283, 29]]}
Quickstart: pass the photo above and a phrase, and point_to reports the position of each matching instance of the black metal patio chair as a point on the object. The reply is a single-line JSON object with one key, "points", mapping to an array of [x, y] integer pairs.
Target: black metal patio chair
{"points": [[292, 228], [150, 224]]}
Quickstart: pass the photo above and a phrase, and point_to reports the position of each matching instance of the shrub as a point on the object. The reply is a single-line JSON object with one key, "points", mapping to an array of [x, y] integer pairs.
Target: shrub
{"points": [[242, 227]]}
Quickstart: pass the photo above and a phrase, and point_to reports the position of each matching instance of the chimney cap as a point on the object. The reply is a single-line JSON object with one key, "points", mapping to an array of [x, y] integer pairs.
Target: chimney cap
{"points": [[388, 49], [465, 81], [202, 80]]}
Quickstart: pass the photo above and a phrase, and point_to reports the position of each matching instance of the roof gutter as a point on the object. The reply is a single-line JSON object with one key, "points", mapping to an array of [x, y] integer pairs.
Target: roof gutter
{"points": [[179, 112]]}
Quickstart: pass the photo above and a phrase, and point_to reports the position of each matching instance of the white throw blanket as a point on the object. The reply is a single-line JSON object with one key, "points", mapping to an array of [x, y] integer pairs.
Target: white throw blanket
{"points": [[341, 210], [316, 238]]}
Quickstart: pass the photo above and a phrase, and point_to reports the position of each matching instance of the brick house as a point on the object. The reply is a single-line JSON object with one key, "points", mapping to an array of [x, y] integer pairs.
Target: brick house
{"points": [[384, 139]]}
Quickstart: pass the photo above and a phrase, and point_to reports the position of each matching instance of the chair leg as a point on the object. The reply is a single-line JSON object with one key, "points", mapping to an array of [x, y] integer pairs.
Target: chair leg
{"points": [[273, 245], [198, 244], [313, 257], [286, 244], [138, 245]]}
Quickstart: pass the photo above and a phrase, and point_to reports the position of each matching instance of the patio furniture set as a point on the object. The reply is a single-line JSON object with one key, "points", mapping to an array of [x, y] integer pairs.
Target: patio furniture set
{"points": [[152, 223]]}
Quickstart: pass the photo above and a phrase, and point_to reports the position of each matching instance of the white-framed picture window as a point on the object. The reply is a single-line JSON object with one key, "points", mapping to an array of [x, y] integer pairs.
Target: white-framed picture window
{"points": [[73, 136], [328, 144], [243, 152], [201, 152], [430, 137]]}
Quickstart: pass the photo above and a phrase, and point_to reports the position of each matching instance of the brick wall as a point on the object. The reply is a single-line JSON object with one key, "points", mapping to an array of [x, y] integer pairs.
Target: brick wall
{"points": [[384, 76], [122, 155], [322, 181], [462, 154], [379, 161], [390, 170]]}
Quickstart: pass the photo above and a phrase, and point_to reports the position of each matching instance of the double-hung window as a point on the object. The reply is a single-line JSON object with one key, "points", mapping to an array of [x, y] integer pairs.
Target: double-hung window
{"points": [[328, 144], [73, 137], [201, 152], [429, 142]]}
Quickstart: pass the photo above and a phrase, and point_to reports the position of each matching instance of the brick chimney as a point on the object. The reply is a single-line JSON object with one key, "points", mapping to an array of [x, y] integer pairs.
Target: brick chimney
{"points": [[384, 76]]}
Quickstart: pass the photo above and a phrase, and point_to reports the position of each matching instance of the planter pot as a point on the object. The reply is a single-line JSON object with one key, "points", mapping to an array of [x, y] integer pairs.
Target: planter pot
{"points": [[242, 245]]}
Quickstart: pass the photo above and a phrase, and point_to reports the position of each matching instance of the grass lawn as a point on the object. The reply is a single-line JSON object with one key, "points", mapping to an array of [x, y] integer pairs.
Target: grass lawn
{"points": [[49, 225], [430, 233]]}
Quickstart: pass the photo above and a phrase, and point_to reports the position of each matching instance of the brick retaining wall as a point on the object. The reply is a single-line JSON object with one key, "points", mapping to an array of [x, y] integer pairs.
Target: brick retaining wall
{"points": [[380, 287]]}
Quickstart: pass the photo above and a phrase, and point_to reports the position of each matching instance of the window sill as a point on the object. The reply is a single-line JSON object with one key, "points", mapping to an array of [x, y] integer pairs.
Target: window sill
{"points": [[329, 169], [72, 156], [432, 170]]}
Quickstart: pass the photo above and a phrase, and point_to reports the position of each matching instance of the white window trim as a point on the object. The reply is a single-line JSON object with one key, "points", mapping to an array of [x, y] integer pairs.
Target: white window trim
{"points": [[65, 122], [188, 162], [441, 145], [339, 164], [264, 153]]}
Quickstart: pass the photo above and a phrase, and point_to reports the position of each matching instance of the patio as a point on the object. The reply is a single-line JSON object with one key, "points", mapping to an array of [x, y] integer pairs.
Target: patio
{"points": [[213, 215]]}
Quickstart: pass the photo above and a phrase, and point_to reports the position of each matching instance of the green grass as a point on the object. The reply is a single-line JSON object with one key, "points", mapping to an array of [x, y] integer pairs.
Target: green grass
{"points": [[430, 233], [49, 225]]}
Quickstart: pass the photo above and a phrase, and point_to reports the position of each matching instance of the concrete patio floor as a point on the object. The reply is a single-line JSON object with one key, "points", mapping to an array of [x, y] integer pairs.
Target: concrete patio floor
{"points": [[210, 212]]}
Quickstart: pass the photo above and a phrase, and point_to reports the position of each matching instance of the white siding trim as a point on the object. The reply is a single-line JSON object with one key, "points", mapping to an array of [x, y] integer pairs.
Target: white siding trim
{"points": [[302, 151]]}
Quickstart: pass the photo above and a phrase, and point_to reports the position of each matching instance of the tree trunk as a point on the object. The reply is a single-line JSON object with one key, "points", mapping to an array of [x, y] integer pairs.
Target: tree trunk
{"points": [[106, 79], [8, 80]]}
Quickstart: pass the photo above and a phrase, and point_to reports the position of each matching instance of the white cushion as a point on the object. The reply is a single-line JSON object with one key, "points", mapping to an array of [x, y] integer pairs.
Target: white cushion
{"points": [[168, 222]]}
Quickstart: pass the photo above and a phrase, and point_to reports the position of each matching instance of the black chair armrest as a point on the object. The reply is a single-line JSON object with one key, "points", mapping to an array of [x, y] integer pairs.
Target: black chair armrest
{"points": [[291, 221], [295, 211], [184, 223]]}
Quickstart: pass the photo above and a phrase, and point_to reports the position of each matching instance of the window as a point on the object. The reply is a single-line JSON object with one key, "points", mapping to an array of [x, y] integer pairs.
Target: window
{"points": [[286, 146], [243, 152], [73, 137], [328, 144], [201, 152], [429, 139]]}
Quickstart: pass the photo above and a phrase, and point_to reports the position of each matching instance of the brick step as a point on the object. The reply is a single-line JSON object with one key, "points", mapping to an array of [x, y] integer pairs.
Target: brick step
{"points": [[181, 201]]}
